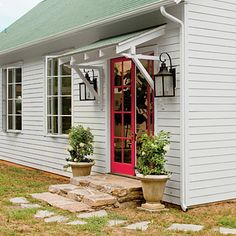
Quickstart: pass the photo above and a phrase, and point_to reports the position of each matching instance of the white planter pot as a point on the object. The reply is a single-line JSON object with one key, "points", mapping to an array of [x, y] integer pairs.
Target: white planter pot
{"points": [[81, 168], [153, 190]]}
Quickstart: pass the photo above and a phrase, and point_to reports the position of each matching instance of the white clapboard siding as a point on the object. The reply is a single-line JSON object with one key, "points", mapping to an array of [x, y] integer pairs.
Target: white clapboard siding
{"points": [[211, 64], [167, 116], [31, 147]]}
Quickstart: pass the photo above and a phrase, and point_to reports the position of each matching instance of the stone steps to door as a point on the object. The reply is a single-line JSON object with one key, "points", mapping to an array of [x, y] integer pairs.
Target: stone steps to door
{"points": [[101, 191]]}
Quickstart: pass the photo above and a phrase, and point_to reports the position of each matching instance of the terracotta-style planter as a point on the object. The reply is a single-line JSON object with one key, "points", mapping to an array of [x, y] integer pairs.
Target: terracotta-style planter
{"points": [[81, 168], [153, 190]]}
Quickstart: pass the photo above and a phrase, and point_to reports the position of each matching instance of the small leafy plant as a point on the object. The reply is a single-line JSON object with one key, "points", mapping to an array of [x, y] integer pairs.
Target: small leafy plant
{"points": [[80, 144], [151, 154]]}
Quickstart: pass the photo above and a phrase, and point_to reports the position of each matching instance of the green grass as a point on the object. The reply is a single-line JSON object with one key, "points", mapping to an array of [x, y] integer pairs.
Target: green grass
{"points": [[21, 214], [228, 221]]}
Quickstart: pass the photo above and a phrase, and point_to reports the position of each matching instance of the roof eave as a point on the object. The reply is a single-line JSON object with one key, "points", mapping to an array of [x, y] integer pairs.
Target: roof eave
{"points": [[147, 8]]}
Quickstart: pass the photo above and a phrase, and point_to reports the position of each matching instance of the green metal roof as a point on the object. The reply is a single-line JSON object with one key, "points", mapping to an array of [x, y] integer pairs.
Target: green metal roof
{"points": [[52, 17]]}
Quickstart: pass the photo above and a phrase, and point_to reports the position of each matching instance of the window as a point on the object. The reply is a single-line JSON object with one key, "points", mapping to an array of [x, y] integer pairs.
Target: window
{"points": [[14, 99], [59, 99]]}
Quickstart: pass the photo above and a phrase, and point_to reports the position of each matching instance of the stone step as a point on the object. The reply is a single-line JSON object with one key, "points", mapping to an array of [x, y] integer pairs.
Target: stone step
{"points": [[124, 189], [87, 195], [62, 202]]}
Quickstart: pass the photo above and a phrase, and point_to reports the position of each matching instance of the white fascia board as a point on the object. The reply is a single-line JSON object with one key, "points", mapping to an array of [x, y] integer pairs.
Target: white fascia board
{"points": [[141, 10], [140, 39]]}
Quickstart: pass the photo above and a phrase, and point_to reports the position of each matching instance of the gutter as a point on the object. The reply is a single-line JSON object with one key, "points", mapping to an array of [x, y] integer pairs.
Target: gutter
{"points": [[144, 9], [183, 189]]}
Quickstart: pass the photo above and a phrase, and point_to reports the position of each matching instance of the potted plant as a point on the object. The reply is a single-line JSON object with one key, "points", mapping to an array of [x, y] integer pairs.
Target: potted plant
{"points": [[151, 168], [80, 146]]}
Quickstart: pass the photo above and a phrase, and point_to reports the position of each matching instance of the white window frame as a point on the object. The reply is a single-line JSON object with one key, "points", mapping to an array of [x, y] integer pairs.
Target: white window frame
{"points": [[59, 96], [13, 130]]}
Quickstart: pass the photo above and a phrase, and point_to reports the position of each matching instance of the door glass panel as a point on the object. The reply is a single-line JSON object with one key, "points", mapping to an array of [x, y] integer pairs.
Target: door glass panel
{"points": [[118, 125], [127, 99], [117, 73], [127, 65], [118, 150], [127, 125], [66, 105], [18, 123], [127, 151], [117, 99]]}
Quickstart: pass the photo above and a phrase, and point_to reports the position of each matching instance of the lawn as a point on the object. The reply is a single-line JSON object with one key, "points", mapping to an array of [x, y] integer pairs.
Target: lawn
{"points": [[15, 182]]}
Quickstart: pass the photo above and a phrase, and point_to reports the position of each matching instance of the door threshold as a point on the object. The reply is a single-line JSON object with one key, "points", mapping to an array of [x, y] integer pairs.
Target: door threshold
{"points": [[125, 176]]}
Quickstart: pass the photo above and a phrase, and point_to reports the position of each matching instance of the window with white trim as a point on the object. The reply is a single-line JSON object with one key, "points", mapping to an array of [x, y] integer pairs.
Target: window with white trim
{"points": [[59, 98], [14, 99]]}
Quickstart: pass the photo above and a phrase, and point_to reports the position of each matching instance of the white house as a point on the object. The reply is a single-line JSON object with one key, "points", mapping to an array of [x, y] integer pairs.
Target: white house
{"points": [[92, 63]]}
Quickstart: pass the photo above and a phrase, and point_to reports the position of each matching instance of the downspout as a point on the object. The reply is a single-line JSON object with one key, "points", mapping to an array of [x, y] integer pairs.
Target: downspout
{"points": [[183, 115]]}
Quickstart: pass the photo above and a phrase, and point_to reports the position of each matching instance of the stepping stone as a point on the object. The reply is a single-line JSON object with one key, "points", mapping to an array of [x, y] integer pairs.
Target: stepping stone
{"points": [[138, 226], [43, 214], [30, 206], [101, 213], [19, 200], [62, 188], [61, 202], [115, 222], [186, 227], [227, 231], [56, 219], [77, 222]]}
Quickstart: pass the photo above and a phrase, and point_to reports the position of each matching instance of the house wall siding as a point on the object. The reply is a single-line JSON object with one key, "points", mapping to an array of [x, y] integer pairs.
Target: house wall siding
{"points": [[167, 114], [211, 65], [32, 147]]}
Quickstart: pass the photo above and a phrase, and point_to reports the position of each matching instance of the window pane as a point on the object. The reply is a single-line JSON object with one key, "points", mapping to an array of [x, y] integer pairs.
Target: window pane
{"points": [[10, 122], [127, 72], [118, 150], [18, 106], [18, 75], [55, 67], [55, 86], [66, 105], [49, 65], [53, 106], [55, 125], [66, 125], [65, 70], [118, 73], [10, 91], [10, 76], [18, 123], [10, 107], [66, 86], [18, 90], [49, 119]]}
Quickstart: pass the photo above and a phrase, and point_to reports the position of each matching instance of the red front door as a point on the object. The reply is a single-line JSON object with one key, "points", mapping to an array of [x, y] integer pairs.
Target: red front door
{"points": [[122, 116], [131, 112]]}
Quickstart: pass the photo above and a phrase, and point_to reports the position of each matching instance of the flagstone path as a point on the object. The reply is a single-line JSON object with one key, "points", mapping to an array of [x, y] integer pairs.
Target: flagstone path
{"points": [[51, 217]]}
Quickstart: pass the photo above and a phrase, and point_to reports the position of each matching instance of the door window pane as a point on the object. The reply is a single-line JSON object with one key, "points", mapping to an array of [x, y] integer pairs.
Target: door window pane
{"points": [[118, 150], [118, 73], [66, 125], [127, 65]]}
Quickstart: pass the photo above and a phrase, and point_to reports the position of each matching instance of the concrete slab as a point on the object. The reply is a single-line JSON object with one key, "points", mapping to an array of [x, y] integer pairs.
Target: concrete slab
{"points": [[186, 227], [101, 213], [19, 200], [143, 226], [61, 202]]}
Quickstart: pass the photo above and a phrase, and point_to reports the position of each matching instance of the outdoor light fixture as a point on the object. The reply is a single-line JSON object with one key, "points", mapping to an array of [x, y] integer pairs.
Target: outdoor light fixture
{"points": [[85, 94], [165, 79]]}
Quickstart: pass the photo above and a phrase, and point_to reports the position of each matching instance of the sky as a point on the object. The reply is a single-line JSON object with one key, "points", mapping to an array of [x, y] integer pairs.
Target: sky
{"points": [[11, 10]]}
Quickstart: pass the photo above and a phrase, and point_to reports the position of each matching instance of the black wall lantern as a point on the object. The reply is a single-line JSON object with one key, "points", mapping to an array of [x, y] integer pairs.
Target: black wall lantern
{"points": [[85, 94], [165, 79]]}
